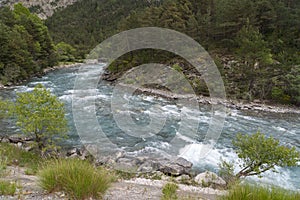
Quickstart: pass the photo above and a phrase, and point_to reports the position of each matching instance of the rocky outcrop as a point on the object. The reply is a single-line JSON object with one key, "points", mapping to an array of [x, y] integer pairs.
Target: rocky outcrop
{"points": [[138, 164], [44, 8]]}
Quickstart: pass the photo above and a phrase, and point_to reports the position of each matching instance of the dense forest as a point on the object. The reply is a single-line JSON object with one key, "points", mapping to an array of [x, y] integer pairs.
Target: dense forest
{"points": [[255, 43], [26, 46], [259, 38]]}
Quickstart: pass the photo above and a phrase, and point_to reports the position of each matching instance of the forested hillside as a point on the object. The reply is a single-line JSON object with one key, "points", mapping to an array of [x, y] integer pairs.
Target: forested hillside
{"points": [[88, 22], [26, 46], [254, 42]]}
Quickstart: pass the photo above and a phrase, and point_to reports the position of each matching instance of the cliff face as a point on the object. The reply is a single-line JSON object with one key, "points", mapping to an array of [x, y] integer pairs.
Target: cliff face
{"points": [[43, 8]]}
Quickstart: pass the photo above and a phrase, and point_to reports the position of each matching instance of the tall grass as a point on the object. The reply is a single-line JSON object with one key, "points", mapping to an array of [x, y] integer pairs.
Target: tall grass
{"points": [[79, 179], [250, 192]]}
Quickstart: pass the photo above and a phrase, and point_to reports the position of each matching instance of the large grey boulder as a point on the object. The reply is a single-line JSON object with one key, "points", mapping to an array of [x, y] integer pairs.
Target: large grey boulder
{"points": [[149, 166], [175, 168]]}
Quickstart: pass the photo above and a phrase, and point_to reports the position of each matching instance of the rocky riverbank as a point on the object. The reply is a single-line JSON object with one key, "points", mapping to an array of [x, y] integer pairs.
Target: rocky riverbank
{"points": [[256, 105], [49, 69], [153, 166], [138, 172]]}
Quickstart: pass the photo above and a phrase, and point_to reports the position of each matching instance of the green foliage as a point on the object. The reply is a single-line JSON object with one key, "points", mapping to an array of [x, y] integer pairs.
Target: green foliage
{"points": [[5, 107], [12, 155], [26, 47], [86, 23], [262, 34], [293, 79], [249, 192], [279, 95], [227, 172], [169, 191], [41, 115], [252, 47], [65, 52], [177, 67], [7, 188], [124, 175], [79, 179], [260, 154]]}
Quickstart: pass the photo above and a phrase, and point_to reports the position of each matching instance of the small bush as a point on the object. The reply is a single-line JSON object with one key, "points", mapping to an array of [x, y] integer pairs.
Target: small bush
{"points": [[227, 172], [169, 191], [7, 188], [79, 179], [248, 192]]}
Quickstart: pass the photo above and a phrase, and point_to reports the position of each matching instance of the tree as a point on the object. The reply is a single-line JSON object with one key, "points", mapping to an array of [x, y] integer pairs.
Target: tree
{"points": [[65, 52], [41, 115], [254, 51], [260, 154], [26, 47]]}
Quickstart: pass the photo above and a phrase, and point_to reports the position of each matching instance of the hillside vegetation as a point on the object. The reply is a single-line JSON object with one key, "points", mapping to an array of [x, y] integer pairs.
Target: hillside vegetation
{"points": [[255, 43], [26, 46]]}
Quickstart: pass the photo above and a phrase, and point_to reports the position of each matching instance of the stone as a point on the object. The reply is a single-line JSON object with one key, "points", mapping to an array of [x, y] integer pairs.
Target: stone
{"points": [[209, 179], [184, 163], [5, 140], [19, 144], [126, 164], [28, 148], [19, 138], [75, 155], [177, 168], [85, 154], [183, 178], [120, 154], [72, 152], [149, 166]]}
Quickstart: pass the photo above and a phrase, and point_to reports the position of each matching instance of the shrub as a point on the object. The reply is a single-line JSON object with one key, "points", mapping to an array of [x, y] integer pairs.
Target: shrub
{"points": [[79, 179], [260, 154], [227, 172], [248, 192], [169, 191]]}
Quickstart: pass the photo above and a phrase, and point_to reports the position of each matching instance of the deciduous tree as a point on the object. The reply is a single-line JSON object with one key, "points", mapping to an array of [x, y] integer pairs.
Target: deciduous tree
{"points": [[41, 115]]}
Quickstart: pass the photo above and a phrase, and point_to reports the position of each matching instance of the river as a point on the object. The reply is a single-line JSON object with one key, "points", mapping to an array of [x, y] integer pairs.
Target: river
{"points": [[283, 126]]}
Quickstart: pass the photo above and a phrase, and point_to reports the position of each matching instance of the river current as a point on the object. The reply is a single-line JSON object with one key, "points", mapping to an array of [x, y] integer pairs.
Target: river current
{"points": [[285, 127]]}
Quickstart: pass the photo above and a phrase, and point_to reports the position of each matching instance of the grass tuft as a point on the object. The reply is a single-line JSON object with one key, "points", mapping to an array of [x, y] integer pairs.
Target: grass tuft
{"points": [[7, 188], [169, 191], [250, 192], [79, 179]]}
